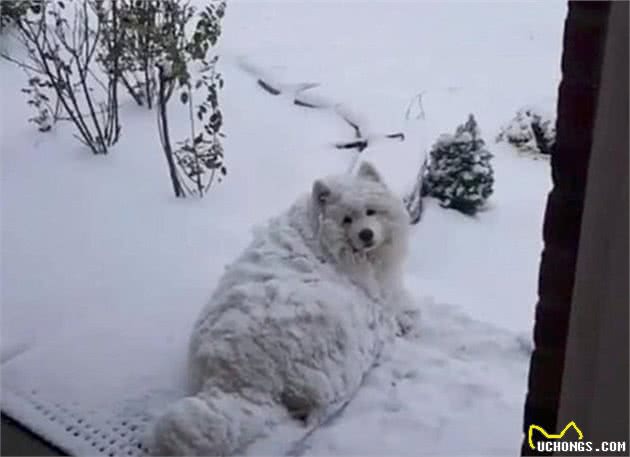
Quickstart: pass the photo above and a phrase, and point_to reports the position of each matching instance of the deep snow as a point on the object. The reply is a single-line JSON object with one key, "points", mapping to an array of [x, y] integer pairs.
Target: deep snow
{"points": [[102, 267]]}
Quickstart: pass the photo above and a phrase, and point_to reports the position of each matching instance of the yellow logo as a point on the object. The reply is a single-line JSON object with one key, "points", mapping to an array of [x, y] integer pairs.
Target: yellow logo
{"points": [[551, 436]]}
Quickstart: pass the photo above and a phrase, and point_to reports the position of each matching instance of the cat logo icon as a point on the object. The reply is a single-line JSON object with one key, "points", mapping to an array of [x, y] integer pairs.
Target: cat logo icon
{"points": [[552, 436]]}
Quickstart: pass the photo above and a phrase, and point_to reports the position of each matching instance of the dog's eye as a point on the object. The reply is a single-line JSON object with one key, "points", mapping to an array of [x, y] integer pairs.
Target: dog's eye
{"points": [[370, 212], [347, 220]]}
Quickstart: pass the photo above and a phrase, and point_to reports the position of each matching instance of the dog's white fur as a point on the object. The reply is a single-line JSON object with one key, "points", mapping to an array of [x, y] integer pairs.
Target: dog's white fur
{"points": [[296, 321]]}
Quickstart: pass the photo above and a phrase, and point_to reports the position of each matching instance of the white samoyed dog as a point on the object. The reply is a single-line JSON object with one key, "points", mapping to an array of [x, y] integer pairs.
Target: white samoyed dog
{"points": [[296, 321]]}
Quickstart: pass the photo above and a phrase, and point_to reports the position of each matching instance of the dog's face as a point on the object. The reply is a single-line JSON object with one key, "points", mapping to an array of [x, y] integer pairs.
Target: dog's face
{"points": [[358, 215]]}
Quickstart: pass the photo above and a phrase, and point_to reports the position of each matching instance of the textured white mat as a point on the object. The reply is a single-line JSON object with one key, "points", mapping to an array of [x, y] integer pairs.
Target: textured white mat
{"points": [[95, 392]]}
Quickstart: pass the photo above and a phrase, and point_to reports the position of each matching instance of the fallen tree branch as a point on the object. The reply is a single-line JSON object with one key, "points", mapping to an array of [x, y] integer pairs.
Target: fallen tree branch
{"points": [[360, 143], [299, 102], [399, 135], [355, 127], [418, 100], [414, 200], [267, 87]]}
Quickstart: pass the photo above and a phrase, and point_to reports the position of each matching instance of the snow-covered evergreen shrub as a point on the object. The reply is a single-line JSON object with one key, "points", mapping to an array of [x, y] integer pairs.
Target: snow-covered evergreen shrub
{"points": [[531, 131], [458, 172]]}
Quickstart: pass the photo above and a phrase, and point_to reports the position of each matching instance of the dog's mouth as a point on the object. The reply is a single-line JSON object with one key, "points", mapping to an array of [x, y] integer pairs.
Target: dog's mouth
{"points": [[367, 247]]}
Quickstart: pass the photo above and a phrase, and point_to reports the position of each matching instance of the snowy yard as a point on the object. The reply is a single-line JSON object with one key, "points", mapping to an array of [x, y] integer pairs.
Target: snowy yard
{"points": [[104, 271]]}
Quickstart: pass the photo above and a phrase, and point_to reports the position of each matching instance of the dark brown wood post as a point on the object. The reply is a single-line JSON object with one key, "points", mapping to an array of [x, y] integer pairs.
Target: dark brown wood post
{"points": [[595, 378], [583, 46]]}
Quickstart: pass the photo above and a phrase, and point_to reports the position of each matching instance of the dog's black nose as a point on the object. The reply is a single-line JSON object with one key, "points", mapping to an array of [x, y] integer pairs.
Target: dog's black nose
{"points": [[366, 235]]}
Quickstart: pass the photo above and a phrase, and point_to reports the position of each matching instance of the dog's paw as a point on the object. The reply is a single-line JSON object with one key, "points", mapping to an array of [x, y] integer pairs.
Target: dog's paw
{"points": [[408, 323]]}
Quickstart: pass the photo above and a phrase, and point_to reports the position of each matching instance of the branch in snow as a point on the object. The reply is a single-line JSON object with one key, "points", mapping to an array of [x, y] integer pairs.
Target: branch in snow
{"points": [[417, 100], [268, 88], [352, 119], [357, 130], [310, 100], [294, 92], [413, 200], [361, 143], [304, 104]]}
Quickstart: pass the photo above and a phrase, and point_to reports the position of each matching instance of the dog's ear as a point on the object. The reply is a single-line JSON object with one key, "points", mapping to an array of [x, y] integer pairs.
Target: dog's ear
{"points": [[321, 192], [367, 171]]}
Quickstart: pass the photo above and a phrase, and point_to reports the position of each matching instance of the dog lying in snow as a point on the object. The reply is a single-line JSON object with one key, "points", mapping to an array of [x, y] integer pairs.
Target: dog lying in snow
{"points": [[296, 321]]}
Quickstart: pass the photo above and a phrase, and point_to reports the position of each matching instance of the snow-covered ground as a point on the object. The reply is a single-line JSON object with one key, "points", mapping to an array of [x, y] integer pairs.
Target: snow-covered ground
{"points": [[103, 268]]}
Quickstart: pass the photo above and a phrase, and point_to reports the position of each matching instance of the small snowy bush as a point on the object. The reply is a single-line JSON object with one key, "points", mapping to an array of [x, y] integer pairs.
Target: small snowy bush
{"points": [[531, 131], [61, 42], [458, 172], [78, 52]]}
